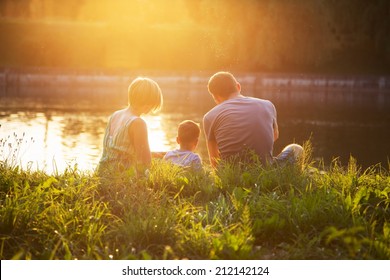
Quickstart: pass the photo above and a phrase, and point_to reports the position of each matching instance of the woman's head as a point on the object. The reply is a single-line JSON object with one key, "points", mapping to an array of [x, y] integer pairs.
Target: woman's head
{"points": [[144, 95]]}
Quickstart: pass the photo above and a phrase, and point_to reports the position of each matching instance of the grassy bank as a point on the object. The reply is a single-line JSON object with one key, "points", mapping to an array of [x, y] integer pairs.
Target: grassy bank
{"points": [[242, 212]]}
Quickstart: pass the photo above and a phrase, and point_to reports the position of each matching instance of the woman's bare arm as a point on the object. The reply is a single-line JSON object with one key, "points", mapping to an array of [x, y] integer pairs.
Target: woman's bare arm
{"points": [[141, 142]]}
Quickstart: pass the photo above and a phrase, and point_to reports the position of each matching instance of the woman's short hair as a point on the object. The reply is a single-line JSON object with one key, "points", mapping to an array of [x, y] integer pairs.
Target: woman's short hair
{"points": [[188, 131], [144, 92], [222, 84]]}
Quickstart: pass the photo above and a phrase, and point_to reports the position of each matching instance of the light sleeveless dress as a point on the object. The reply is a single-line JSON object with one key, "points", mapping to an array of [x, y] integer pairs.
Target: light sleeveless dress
{"points": [[118, 148]]}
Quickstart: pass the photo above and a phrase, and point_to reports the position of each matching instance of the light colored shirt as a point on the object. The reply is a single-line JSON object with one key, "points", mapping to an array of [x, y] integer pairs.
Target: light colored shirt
{"points": [[241, 124], [184, 158], [118, 148]]}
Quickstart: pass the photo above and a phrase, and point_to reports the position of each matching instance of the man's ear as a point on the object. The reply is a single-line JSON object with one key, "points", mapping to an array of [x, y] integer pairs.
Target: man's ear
{"points": [[217, 99], [239, 87]]}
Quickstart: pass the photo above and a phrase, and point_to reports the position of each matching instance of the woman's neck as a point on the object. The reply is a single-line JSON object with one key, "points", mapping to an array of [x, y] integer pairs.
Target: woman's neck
{"points": [[134, 112]]}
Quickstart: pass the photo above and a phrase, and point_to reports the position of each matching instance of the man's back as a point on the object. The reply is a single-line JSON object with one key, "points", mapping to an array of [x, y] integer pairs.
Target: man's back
{"points": [[241, 124]]}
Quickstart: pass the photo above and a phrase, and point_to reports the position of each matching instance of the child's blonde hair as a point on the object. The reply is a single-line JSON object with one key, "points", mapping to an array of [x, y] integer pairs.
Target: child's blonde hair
{"points": [[144, 92], [188, 131]]}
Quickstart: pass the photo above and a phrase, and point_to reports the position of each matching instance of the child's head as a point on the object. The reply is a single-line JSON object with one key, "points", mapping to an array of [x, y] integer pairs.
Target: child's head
{"points": [[144, 95], [188, 135]]}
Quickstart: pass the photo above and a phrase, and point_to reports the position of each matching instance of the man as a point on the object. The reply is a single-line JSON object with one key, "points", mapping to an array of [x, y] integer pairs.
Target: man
{"points": [[239, 126]]}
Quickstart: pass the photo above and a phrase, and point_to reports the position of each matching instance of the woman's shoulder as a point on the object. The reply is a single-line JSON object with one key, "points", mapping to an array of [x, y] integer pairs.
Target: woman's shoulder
{"points": [[137, 121], [137, 124], [119, 112]]}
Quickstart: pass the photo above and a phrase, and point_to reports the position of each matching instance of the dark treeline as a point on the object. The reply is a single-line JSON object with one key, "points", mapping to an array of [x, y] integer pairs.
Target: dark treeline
{"points": [[334, 36]]}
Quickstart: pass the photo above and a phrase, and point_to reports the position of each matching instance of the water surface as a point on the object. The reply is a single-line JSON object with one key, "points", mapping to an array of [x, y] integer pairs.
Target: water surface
{"points": [[47, 131]]}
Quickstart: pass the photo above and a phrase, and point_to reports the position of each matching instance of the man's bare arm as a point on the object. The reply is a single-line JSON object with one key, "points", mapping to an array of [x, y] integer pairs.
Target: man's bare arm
{"points": [[276, 130], [213, 153]]}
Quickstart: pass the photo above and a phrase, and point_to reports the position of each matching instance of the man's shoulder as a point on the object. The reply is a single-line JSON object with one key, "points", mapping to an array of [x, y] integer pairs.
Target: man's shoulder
{"points": [[244, 102], [258, 100], [212, 111], [263, 103]]}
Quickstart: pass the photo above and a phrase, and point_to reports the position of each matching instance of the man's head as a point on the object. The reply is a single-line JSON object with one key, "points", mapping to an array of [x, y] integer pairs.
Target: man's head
{"points": [[223, 85]]}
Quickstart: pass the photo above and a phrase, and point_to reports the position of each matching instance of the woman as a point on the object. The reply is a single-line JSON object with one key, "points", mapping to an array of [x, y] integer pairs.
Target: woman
{"points": [[125, 141]]}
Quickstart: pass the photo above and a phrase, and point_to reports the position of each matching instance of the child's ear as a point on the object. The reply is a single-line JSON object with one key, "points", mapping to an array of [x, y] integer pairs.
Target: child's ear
{"points": [[178, 140]]}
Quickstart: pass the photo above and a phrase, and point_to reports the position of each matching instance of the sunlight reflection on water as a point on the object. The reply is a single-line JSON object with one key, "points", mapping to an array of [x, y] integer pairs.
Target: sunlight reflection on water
{"points": [[54, 141]]}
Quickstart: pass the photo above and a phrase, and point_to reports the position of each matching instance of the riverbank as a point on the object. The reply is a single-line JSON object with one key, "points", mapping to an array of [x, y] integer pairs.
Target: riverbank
{"points": [[235, 213]]}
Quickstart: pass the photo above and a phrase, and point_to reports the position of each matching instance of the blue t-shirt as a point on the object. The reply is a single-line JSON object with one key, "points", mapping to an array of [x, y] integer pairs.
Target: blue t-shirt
{"points": [[184, 158]]}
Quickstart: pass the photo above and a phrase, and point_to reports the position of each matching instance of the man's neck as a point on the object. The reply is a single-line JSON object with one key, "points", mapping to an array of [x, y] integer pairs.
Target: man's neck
{"points": [[232, 96]]}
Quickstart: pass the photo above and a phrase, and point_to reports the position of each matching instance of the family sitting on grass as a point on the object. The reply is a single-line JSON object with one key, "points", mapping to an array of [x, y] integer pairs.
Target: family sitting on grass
{"points": [[236, 129]]}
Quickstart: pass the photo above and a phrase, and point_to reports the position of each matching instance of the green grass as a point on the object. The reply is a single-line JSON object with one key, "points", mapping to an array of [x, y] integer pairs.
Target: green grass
{"points": [[237, 212]]}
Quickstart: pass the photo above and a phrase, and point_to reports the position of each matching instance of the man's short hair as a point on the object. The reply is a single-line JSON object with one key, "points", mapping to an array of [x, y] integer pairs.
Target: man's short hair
{"points": [[222, 84], [188, 131]]}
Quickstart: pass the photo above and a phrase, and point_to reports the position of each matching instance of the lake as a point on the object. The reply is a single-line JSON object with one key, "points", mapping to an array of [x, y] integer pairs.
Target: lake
{"points": [[50, 129]]}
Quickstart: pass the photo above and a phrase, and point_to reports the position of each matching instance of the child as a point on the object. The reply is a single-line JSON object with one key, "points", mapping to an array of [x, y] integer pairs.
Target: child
{"points": [[125, 141], [187, 137]]}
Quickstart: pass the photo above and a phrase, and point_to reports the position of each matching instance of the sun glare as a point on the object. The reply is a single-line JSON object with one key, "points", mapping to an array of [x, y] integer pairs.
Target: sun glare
{"points": [[158, 139]]}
